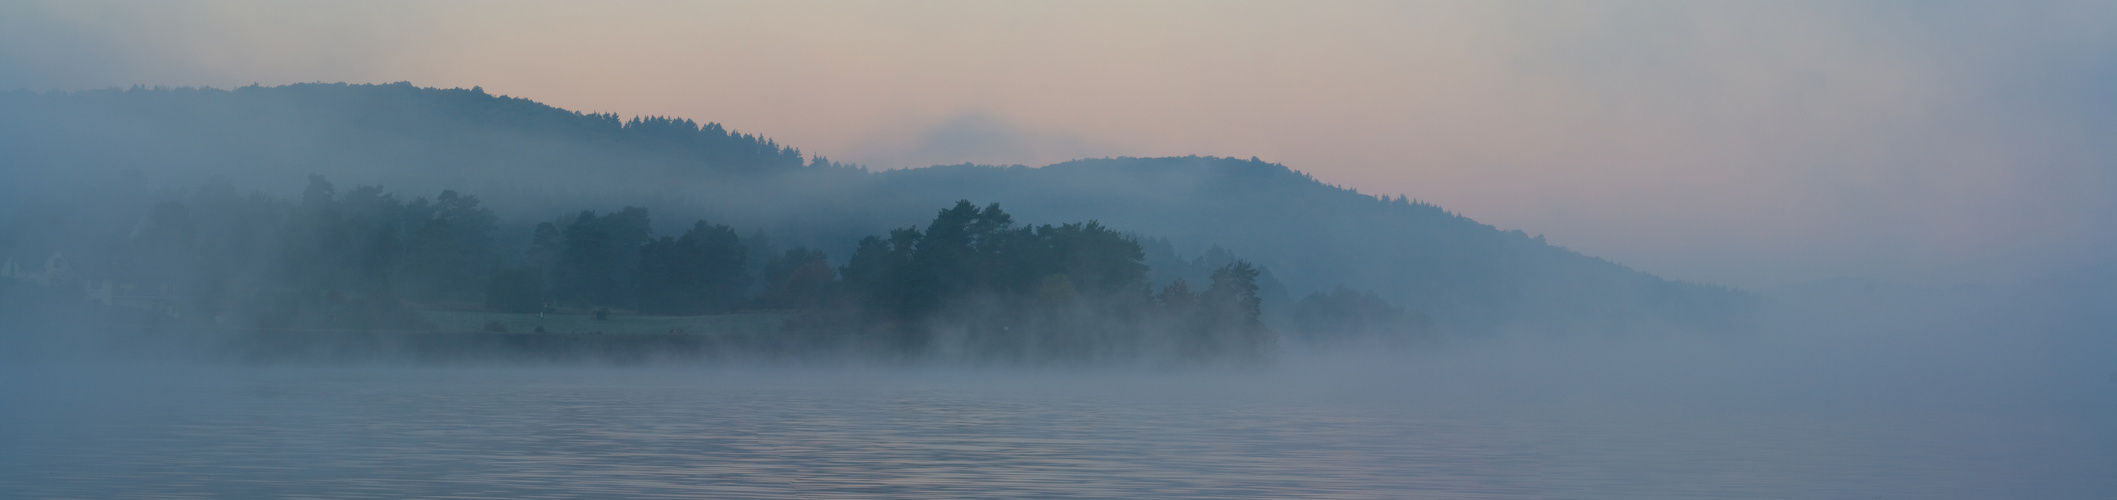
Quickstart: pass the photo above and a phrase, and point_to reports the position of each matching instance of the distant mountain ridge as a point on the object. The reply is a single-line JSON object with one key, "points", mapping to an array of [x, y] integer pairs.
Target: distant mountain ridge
{"points": [[383, 130], [530, 160]]}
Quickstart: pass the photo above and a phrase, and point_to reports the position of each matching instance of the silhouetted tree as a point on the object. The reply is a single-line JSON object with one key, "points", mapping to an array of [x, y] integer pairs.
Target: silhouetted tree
{"points": [[448, 252], [704, 270], [1227, 325], [876, 272], [799, 279], [762, 253], [600, 256]]}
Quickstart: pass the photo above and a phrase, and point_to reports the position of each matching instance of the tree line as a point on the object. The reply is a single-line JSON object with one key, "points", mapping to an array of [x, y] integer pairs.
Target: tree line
{"points": [[1467, 275], [970, 282], [975, 281]]}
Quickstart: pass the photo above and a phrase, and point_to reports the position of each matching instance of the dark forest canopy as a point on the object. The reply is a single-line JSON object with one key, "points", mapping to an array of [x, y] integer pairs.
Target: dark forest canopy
{"points": [[393, 126], [972, 284], [103, 156]]}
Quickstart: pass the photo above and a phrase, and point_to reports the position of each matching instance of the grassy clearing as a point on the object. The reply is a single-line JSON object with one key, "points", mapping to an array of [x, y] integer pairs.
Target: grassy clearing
{"points": [[747, 323]]}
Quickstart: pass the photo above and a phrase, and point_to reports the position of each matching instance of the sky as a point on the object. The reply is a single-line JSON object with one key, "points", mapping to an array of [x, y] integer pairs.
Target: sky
{"points": [[1754, 144]]}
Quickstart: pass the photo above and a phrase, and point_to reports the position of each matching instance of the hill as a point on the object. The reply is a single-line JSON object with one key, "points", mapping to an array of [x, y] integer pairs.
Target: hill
{"points": [[107, 153]]}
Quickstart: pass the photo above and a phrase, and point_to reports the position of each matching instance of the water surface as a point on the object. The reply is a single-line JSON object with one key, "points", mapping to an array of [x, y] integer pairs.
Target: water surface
{"points": [[384, 432]]}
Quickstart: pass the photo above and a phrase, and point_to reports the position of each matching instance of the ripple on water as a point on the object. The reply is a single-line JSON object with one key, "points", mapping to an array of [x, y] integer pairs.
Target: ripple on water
{"points": [[618, 434]]}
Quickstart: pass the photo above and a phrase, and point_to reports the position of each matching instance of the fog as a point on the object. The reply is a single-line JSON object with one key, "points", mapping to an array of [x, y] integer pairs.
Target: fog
{"points": [[1877, 398], [1178, 251], [1606, 383]]}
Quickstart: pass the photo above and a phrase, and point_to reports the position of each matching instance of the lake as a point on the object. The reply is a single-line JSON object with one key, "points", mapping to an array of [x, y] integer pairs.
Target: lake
{"points": [[1365, 429]]}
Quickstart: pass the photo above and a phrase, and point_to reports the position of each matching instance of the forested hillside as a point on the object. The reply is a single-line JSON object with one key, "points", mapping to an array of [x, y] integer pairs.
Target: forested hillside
{"points": [[970, 286], [1315, 236], [78, 162]]}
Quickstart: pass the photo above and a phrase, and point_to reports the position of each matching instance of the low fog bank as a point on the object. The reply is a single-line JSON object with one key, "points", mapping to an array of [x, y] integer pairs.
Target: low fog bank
{"points": [[188, 207], [2043, 349], [1849, 391], [1832, 347]]}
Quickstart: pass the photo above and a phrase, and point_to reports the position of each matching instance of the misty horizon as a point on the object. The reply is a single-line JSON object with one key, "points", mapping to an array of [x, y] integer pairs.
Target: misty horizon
{"points": [[1610, 249], [1931, 145]]}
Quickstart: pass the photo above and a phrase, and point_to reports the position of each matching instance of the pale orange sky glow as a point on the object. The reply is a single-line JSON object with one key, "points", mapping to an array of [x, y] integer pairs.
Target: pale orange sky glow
{"points": [[1753, 144]]}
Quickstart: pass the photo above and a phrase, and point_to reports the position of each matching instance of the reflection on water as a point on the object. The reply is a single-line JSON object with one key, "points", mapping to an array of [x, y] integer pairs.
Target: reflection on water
{"points": [[574, 433]]}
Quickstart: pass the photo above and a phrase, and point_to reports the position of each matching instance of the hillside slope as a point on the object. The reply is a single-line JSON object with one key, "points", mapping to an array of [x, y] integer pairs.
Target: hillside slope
{"points": [[1315, 236], [532, 162]]}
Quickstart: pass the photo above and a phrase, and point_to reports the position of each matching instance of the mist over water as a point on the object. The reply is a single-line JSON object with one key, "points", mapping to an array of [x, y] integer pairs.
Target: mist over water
{"points": [[1834, 389], [406, 290], [1857, 394]]}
